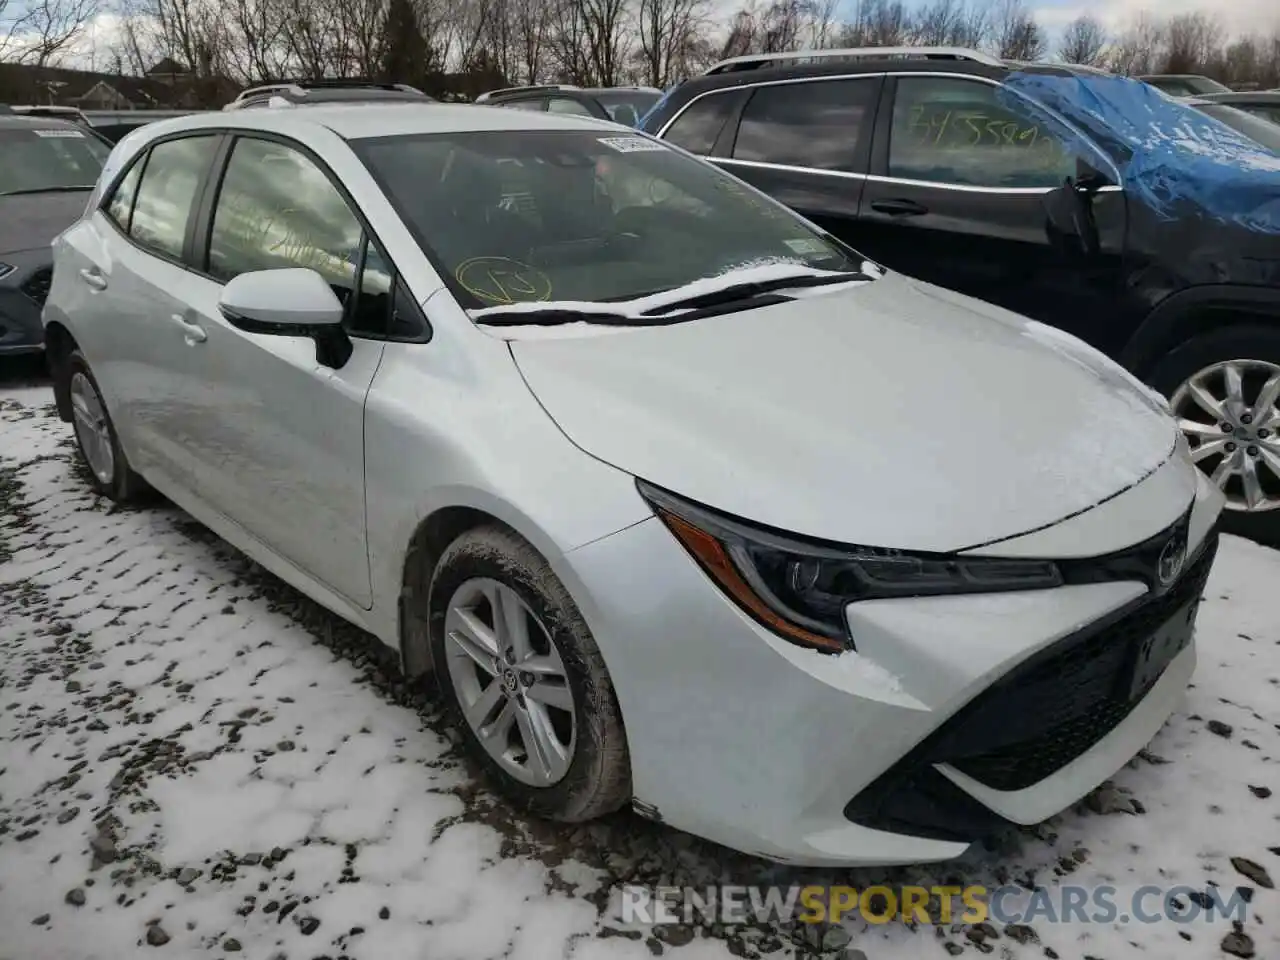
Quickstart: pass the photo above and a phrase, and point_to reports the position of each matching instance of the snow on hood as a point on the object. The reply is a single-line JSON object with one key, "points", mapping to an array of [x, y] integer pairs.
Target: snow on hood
{"points": [[645, 309], [1183, 162], [894, 414]]}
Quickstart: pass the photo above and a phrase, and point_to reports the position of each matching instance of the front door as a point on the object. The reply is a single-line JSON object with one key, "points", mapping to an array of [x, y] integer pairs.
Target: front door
{"points": [[957, 198], [280, 437]]}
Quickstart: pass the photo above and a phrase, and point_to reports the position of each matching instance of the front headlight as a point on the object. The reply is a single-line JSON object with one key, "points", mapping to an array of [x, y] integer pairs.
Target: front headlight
{"points": [[6, 269], [799, 589]]}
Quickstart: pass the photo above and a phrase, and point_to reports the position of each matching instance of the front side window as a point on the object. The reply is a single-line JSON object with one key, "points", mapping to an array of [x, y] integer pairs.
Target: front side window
{"points": [[965, 133], [167, 193], [817, 124], [39, 159], [595, 215], [699, 126], [278, 209]]}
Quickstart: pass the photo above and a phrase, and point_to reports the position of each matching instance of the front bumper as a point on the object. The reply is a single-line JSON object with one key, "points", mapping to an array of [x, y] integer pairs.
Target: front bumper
{"points": [[22, 296], [796, 756]]}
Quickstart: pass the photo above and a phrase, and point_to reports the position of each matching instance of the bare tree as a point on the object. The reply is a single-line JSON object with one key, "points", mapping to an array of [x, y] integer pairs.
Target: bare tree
{"points": [[47, 29], [1194, 40], [1139, 47], [1017, 35], [1083, 41], [667, 29]]}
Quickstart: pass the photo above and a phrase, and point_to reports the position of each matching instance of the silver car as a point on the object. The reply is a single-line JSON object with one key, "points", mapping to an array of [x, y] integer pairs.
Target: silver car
{"points": [[684, 504]]}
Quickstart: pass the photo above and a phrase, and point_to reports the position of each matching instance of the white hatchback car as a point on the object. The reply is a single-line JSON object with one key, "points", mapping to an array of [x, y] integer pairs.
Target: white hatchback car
{"points": [[685, 503]]}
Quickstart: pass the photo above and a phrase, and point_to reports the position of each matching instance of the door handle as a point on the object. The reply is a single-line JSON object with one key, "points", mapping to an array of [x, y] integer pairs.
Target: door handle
{"points": [[899, 208], [93, 278], [193, 332]]}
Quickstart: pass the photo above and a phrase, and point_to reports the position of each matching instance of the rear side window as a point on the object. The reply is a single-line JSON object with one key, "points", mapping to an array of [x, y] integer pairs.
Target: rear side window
{"points": [[167, 193], [565, 105], [816, 124], [698, 127]]}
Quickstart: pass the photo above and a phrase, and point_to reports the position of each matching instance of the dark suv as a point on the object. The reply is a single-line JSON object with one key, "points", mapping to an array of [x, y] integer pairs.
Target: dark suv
{"points": [[1069, 196], [625, 105]]}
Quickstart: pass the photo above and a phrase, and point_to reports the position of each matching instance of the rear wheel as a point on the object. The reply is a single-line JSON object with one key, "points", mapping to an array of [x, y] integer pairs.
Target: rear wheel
{"points": [[96, 439], [523, 679], [1224, 388]]}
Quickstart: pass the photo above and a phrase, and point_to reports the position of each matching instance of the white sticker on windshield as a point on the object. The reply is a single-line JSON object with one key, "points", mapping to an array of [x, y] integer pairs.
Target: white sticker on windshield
{"points": [[632, 144], [60, 134], [808, 245]]}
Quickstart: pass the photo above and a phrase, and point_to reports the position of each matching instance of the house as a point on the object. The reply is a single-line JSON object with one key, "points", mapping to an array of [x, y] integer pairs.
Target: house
{"points": [[168, 84]]}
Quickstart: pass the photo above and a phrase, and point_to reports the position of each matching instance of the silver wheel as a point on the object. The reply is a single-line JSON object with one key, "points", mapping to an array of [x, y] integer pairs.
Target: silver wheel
{"points": [[1228, 412], [510, 682], [90, 417]]}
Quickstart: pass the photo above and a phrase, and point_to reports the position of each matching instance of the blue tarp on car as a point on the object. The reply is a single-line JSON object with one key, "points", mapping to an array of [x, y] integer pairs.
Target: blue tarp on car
{"points": [[1183, 163]]}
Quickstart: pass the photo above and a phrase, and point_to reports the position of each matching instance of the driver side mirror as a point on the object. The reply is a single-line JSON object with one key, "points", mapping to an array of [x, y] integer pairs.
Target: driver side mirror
{"points": [[289, 302]]}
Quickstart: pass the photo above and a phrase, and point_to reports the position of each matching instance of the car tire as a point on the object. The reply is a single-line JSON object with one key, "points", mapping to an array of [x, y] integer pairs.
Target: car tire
{"points": [[1245, 341], [104, 460], [493, 575]]}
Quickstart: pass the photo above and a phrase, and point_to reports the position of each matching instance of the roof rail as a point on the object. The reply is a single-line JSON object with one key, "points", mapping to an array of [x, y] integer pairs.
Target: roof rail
{"points": [[298, 88], [754, 61], [531, 88], [306, 92]]}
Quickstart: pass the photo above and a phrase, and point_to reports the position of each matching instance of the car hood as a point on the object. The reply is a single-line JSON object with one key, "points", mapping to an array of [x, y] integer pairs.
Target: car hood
{"points": [[30, 221], [895, 414]]}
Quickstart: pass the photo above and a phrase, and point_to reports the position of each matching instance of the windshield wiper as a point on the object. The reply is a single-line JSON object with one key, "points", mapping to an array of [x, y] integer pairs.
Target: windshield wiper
{"points": [[70, 189], [556, 315], [750, 289]]}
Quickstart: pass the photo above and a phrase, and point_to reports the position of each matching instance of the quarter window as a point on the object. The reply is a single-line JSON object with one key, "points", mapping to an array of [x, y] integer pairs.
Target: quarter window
{"points": [[120, 207], [817, 124], [974, 134], [167, 193], [699, 126], [278, 209]]}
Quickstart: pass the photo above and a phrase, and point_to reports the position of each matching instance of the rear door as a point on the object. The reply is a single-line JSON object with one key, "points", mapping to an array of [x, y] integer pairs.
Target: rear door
{"points": [[806, 143], [956, 196], [131, 265]]}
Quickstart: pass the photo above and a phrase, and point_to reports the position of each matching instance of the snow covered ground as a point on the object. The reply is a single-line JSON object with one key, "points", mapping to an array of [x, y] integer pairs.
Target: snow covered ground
{"points": [[195, 759]]}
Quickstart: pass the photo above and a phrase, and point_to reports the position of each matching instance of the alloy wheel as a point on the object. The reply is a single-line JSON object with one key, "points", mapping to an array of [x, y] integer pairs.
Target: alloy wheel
{"points": [[92, 430], [510, 682], [1228, 413]]}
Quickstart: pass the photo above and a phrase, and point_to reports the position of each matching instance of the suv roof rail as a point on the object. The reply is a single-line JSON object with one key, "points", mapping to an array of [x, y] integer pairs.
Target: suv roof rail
{"points": [[300, 92], [754, 61], [529, 88]]}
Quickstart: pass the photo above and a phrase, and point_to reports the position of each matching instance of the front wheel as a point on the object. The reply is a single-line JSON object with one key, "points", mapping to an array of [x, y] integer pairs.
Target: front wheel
{"points": [[1224, 388], [523, 680]]}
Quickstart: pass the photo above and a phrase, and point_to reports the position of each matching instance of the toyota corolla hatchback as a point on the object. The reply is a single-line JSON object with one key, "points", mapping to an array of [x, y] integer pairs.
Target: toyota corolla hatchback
{"points": [[683, 503]]}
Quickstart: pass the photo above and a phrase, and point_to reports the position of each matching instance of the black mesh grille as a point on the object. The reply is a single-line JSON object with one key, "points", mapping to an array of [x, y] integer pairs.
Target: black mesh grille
{"points": [[37, 285], [1032, 722], [1072, 697]]}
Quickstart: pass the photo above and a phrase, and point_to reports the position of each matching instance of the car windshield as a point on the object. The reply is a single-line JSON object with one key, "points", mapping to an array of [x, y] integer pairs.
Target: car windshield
{"points": [[524, 217], [1255, 128], [38, 159], [627, 106]]}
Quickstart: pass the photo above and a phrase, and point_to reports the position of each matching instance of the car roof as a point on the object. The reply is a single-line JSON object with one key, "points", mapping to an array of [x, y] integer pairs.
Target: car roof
{"points": [[20, 121], [1243, 96], [356, 121], [838, 68]]}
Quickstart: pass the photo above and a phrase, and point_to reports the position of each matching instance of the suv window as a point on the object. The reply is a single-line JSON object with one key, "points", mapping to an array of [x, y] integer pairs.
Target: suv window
{"points": [[565, 105], [278, 209], [167, 193], [969, 133], [698, 127], [536, 103], [816, 124]]}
